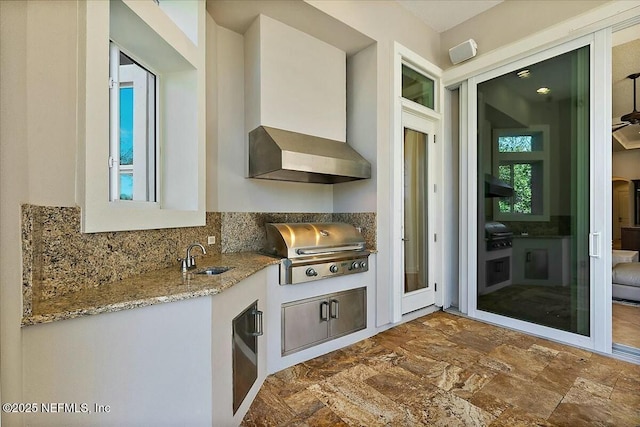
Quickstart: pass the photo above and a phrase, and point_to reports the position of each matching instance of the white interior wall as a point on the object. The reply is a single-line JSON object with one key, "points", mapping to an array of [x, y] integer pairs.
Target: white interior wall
{"points": [[212, 139], [37, 146], [540, 14], [14, 188], [235, 192], [386, 23], [625, 164], [302, 81], [362, 110]]}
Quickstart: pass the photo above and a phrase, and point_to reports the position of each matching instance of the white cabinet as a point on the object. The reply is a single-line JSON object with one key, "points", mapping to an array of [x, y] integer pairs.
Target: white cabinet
{"points": [[166, 364]]}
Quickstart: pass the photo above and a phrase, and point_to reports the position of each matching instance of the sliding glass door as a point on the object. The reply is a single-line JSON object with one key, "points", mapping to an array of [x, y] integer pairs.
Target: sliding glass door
{"points": [[537, 239]]}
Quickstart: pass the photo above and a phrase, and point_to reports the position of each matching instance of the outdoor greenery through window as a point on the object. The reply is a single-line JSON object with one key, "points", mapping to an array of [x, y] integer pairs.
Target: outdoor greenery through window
{"points": [[518, 175], [515, 144], [520, 161]]}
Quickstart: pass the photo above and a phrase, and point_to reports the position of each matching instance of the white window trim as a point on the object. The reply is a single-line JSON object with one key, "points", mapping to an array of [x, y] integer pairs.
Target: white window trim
{"points": [[542, 156], [403, 55], [137, 78], [182, 199]]}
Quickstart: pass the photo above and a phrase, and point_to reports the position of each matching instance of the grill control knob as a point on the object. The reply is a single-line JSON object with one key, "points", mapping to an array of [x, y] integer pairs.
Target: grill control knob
{"points": [[363, 264], [311, 272], [355, 265], [333, 268]]}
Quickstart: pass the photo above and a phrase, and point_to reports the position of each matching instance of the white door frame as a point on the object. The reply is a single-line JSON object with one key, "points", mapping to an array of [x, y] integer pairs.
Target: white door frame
{"points": [[402, 55], [600, 193], [422, 297]]}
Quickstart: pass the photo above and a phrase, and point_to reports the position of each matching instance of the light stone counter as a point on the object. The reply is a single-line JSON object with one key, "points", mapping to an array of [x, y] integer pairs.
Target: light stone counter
{"points": [[155, 287]]}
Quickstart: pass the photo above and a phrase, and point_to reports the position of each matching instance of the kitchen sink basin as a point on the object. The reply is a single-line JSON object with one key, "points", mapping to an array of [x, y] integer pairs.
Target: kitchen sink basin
{"points": [[212, 271]]}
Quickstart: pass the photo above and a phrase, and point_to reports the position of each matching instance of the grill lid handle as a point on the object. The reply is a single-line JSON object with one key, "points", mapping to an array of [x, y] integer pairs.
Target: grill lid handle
{"points": [[325, 250]]}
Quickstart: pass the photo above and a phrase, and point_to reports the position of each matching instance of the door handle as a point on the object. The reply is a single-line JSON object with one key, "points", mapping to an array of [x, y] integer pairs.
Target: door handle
{"points": [[324, 311], [259, 330], [594, 245], [334, 309]]}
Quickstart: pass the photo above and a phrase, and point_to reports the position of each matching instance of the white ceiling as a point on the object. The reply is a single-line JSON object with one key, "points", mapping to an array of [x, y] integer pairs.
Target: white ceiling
{"points": [[441, 15]]}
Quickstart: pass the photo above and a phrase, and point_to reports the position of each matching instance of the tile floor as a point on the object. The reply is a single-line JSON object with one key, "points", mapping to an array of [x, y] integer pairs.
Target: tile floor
{"points": [[447, 370], [626, 324]]}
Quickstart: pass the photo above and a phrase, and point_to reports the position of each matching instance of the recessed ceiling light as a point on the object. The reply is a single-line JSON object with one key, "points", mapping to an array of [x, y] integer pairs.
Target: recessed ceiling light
{"points": [[524, 74], [543, 90]]}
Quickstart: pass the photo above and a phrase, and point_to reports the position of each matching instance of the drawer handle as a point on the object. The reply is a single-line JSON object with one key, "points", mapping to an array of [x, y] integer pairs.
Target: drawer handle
{"points": [[335, 308], [324, 311]]}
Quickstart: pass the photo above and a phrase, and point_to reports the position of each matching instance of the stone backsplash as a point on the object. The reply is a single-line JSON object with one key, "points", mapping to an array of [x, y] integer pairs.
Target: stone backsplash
{"points": [[57, 258], [245, 231], [558, 225]]}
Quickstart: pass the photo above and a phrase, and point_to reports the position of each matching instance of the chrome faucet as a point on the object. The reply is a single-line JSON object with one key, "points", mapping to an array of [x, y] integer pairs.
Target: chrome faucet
{"points": [[189, 262]]}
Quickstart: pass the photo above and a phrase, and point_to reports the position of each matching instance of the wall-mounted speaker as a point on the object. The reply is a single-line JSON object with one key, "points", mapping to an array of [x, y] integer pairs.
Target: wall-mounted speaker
{"points": [[463, 51]]}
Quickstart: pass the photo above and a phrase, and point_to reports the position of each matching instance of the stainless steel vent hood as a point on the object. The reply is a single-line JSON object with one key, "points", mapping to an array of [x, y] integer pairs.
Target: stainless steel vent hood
{"points": [[494, 187], [290, 156]]}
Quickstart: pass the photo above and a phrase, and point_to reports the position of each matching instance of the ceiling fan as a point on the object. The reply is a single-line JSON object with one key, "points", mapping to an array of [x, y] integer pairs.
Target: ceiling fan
{"points": [[632, 118]]}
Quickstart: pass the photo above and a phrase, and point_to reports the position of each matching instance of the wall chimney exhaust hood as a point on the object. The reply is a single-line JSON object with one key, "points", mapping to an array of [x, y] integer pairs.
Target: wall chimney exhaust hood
{"points": [[290, 156], [494, 187]]}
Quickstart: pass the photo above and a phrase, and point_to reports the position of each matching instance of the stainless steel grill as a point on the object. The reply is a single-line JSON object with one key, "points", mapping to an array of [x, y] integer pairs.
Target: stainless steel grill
{"points": [[498, 236], [313, 251]]}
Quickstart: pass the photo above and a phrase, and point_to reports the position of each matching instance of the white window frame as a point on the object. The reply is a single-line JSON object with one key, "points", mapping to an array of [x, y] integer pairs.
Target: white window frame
{"points": [[541, 156], [600, 177], [144, 173], [144, 32], [405, 56]]}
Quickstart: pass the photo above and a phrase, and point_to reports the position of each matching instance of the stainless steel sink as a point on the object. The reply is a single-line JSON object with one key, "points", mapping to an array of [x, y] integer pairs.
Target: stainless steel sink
{"points": [[212, 271]]}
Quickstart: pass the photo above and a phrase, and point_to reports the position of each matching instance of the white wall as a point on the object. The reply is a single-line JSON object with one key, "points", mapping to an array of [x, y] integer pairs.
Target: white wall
{"points": [[151, 365], [37, 147], [385, 22], [301, 81], [235, 192], [362, 120], [625, 164], [531, 17], [211, 40]]}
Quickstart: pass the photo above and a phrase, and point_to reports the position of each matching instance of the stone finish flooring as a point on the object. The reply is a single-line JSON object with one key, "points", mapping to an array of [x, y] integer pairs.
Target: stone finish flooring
{"points": [[447, 370], [626, 324]]}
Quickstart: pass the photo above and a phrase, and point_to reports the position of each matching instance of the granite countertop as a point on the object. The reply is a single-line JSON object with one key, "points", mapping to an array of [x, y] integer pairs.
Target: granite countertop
{"points": [[165, 285]]}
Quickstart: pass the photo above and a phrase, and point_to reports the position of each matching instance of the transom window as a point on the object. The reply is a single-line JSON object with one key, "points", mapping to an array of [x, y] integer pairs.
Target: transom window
{"points": [[417, 87]]}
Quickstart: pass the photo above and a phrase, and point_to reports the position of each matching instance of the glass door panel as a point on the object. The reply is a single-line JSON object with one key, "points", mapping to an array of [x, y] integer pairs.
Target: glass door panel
{"points": [[416, 250], [417, 291], [533, 175]]}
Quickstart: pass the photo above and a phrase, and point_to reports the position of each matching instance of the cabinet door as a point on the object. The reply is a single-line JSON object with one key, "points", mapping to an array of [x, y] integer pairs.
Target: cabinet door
{"points": [[348, 312], [247, 326], [536, 264], [304, 323]]}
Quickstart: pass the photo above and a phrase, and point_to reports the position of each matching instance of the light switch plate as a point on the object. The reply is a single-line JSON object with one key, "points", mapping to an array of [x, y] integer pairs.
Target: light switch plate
{"points": [[211, 240]]}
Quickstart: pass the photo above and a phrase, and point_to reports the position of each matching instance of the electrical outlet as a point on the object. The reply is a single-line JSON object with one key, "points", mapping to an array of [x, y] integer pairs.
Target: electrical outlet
{"points": [[211, 240]]}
